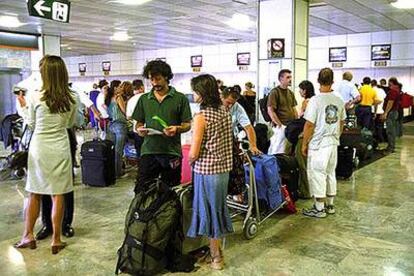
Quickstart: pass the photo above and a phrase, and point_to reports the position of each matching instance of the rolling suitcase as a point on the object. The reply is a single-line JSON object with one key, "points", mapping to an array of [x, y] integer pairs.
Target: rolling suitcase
{"points": [[185, 194], [98, 162], [347, 162], [289, 173]]}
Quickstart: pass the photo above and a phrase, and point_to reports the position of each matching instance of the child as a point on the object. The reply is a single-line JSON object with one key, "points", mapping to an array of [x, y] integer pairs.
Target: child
{"points": [[325, 116], [211, 156]]}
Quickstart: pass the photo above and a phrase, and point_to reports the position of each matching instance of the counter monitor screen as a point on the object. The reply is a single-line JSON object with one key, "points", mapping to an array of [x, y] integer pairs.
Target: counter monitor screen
{"points": [[82, 67], [106, 66], [381, 52], [243, 59], [197, 61], [337, 54]]}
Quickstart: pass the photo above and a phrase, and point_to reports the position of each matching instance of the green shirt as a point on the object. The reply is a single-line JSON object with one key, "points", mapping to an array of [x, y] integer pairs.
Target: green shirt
{"points": [[174, 110]]}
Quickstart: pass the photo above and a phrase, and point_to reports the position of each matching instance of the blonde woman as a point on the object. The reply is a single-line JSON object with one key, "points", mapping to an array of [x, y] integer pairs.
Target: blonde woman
{"points": [[50, 111]]}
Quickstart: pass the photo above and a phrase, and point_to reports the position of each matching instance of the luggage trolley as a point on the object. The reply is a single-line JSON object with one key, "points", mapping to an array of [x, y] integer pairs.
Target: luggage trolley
{"points": [[254, 217]]}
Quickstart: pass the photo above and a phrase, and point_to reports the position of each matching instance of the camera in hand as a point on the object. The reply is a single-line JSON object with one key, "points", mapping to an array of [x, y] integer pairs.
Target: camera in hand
{"points": [[17, 90]]}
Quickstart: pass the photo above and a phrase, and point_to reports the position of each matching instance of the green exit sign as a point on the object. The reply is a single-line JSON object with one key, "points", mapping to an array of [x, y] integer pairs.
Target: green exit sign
{"points": [[56, 10]]}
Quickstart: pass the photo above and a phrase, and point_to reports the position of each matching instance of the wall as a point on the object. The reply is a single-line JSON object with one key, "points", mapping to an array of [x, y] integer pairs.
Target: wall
{"points": [[359, 55]]}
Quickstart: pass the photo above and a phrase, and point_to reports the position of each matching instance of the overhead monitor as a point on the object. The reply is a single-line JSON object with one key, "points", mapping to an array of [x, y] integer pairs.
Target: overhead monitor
{"points": [[197, 61], [82, 67], [243, 59], [337, 54], [381, 52], [106, 66]]}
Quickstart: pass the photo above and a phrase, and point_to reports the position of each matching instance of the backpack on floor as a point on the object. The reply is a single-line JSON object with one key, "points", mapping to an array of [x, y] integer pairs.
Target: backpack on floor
{"points": [[153, 231]]}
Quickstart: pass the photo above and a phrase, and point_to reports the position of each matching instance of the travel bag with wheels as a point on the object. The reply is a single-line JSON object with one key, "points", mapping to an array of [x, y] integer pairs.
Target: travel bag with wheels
{"points": [[153, 231], [347, 162], [289, 173], [98, 162]]}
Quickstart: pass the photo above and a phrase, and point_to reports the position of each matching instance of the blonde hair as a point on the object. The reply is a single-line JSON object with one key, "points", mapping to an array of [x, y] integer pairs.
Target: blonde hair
{"points": [[125, 90], [347, 76], [56, 92]]}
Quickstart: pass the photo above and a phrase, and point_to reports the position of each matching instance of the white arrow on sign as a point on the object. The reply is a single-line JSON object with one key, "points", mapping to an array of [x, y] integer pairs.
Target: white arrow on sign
{"points": [[40, 8]]}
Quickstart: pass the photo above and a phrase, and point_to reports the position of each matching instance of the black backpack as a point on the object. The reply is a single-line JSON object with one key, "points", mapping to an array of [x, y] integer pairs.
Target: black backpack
{"points": [[153, 231], [263, 108]]}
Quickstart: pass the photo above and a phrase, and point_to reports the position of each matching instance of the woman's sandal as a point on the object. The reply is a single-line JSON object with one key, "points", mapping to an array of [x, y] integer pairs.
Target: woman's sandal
{"points": [[29, 244], [217, 262], [57, 248]]}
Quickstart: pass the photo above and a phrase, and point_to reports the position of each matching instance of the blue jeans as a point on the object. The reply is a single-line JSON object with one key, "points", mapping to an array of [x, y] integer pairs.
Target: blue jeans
{"points": [[118, 135]]}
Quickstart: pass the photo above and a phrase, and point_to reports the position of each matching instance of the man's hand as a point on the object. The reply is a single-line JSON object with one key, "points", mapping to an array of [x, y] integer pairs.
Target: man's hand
{"points": [[255, 151], [141, 132], [384, 117], [171, 131]]}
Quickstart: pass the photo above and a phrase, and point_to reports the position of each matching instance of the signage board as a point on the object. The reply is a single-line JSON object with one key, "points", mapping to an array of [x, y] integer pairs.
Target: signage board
{"points": [[381, 52], [196, 61], [56, 10], [337, 54], [106, 66], [337, 65], [381, 63], [243, 59], [276, 48]]}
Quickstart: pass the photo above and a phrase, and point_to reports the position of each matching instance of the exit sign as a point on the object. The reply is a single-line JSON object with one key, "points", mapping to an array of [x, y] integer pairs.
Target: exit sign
{"points": [[56, 10]]}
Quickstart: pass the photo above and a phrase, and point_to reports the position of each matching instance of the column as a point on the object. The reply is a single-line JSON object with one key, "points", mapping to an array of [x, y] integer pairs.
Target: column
{"points": [[48, 45], [282, 30]]}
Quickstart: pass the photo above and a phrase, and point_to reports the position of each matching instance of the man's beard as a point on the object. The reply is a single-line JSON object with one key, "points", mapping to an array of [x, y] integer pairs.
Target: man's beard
{"points": [[157, 87]]}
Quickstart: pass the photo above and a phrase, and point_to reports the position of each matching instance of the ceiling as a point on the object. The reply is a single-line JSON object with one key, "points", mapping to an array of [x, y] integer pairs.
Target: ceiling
{"points": [[181, 23]]}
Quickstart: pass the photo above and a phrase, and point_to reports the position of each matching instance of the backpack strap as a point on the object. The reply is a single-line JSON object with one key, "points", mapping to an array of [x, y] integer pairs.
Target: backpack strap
{"points": [[149, 249]]}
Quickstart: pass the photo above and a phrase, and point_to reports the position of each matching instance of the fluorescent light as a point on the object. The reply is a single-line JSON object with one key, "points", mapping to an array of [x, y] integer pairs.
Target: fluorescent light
{"points": [[120, 36], [130, 2], [403, 4], [240, 22], [10, 21]]}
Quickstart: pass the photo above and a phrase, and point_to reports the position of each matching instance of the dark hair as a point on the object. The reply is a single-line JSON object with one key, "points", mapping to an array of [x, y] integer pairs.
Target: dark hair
{"points": [[283, 72], [308, 87], [137, 84], [158, 67], [206, 87], [374, 83], [325, 76], [102, 83], [231, 91], [238, 88], [383, 80], [366, 80], [111, 91], [393, 80]]}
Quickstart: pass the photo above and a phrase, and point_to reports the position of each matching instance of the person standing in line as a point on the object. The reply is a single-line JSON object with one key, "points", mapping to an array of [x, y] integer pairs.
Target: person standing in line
{"points": [[139, 90], [51, 110], [383, 85], [281, 107], [390, 116], [369, 99], [168, 111], [325, 117], [118, 125], [378, 110], [348, 92], [211, 156]]}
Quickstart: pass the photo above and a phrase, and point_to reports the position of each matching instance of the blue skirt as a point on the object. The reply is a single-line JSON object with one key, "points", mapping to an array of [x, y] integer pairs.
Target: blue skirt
{"points": [[210, 214]]}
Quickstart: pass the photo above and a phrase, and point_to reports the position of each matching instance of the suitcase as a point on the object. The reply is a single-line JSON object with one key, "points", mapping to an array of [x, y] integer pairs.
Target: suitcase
{"points": [[185, 165], [98, 163], [185, 194], [347, 162], [362, 140], [289, 173]]}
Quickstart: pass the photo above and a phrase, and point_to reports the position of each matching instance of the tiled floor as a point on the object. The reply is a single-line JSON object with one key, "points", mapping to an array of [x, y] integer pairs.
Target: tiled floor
{"points": [[371, 234]]}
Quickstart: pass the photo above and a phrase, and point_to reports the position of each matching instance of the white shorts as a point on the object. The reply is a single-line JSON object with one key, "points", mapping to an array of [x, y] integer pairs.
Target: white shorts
{"points": [[321, 171]]}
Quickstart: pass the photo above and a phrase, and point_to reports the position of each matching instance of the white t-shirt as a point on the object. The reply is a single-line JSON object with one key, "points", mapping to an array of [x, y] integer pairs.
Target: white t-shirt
{"points": [[325, 111], [131, 104], [100, 105], [381, 96]]}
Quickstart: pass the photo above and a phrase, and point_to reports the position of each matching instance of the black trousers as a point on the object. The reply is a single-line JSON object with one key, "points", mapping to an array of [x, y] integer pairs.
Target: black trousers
{"points": [[151, 166], [68, 198], [364, 116]]}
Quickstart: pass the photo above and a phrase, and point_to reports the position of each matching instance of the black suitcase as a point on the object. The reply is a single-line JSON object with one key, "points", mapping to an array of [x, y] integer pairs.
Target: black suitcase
{"points": [[98, 163], [362, 141], [347, 162], [289, 173]]}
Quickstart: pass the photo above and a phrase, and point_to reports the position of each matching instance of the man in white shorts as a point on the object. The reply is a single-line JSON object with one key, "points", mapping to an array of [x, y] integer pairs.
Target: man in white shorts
{"points": [[325, 117]]}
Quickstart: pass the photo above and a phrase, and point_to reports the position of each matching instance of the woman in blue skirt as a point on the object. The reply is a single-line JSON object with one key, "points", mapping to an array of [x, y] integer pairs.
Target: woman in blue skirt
{"points": [[211, 157]]}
